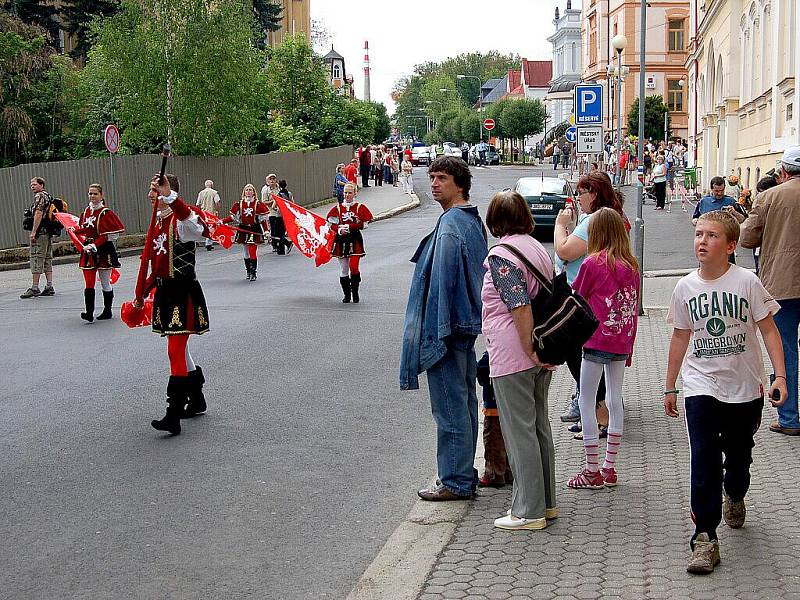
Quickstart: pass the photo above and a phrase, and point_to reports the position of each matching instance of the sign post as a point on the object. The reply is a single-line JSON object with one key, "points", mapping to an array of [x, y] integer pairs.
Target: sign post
{"points": [[111, 140], [488, 124]]}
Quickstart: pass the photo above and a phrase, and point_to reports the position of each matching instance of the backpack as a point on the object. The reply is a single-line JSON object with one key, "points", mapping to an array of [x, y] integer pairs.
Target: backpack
{"points": [[51, 224], [562, 320]]}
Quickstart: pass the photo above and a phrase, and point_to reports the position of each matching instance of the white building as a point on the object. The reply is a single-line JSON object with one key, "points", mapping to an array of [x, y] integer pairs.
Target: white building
{"points": [[566, 43]]}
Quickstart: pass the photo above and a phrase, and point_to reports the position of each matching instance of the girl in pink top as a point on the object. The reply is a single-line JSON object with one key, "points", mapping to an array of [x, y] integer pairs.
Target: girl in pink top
{"points": [[609, 281]]}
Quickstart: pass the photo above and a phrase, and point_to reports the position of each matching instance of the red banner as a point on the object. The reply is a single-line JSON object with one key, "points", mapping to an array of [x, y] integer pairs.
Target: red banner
{"points": [[310, 233], [70, 222], [220, 233]]}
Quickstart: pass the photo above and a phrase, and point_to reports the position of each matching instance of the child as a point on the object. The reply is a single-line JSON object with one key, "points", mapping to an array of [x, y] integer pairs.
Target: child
{"points": [[609, 281], [719, 308], [497, 471]]}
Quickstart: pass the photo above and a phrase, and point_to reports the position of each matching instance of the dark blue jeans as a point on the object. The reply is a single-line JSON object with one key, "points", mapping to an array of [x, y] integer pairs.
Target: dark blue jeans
{"points": [[718, 429], [454, 404], [788, 319]]}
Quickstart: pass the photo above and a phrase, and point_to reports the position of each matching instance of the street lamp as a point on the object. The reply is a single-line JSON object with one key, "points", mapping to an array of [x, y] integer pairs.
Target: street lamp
{"points": [[638, 227], [480, 98], [618, 43]]}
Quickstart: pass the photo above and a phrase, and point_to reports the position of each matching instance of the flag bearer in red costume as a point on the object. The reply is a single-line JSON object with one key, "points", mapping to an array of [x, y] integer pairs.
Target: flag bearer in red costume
{"points": [[100, 227], [249, 215], [348, 218], [179, 307]]}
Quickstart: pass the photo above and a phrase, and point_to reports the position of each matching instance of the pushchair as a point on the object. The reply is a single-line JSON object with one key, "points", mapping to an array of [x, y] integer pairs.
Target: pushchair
{"points": [[649, 193]]}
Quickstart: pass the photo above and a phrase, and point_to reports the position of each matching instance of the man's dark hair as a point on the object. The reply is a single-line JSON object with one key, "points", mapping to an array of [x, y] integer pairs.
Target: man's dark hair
{"points": [[717, 181], [282, 184], [455, 167], [39, 180], [765, 183], [174, 183]]}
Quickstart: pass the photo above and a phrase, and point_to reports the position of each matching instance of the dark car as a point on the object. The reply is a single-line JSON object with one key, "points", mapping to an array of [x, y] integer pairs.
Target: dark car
{"points": [[545, 197], [492, 157]]}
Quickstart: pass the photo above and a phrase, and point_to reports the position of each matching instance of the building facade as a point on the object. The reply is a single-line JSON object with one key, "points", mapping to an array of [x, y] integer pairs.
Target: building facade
{"points": [[295, 19], [566, 43], [338, 78], [744, 73], [665, 58]]}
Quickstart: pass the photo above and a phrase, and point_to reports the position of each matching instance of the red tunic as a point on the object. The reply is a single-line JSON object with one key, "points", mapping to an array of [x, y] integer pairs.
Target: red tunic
{"points": [[247, 213], [351, 173], [96, 224], [356, 216], [167, 244]]}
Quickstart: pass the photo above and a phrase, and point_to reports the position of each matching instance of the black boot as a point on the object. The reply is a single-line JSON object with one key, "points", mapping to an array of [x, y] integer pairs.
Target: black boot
{"points": [[248, 268], [345, 281], [108, 300], [88, 300], [355, 282], [197, 401], [177, 393], [253, 268]]}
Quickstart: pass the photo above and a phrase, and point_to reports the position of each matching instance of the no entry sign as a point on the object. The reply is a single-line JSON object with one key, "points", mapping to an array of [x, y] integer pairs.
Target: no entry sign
{"points": [[488, 124], [111, 138]]}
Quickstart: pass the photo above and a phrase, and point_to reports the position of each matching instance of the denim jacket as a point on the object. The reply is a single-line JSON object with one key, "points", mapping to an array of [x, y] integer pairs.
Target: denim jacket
{"points": [[445, 295]]}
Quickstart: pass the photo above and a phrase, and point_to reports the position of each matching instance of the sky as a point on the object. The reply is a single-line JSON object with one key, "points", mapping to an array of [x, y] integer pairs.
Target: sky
{"points": [[405, 33]]}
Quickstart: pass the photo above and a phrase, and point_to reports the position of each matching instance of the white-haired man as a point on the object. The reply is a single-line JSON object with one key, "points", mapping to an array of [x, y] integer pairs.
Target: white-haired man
{"points": [[772, 224], [208, 200]]}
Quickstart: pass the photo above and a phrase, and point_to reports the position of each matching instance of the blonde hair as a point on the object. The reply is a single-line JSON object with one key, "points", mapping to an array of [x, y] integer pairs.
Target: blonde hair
{"points": [[349, 186], [607, 234], [730, 227], [252, 187]]}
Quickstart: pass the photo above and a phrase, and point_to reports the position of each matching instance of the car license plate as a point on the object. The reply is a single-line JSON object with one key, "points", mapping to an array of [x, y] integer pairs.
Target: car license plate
{"points": [[541, 207]]}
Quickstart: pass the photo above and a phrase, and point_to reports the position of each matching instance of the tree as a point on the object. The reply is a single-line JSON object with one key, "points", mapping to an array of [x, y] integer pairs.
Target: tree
{"points": [[483, 66], [40, 13], [383, 126], [150, 63], [521, 118], [266, 18], [78, 15], [654, 111], [471, 128], [344, 122]]}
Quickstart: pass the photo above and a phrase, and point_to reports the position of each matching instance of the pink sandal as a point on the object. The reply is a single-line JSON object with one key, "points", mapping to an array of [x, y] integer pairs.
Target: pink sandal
{"points": [[587, 480]]}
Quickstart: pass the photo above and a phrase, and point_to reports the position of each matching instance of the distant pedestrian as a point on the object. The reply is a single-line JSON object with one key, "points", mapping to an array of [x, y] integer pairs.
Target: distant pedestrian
{"points": [[351, 171], [465, 152], [208, 200], [443, 319], [483, 148], [718, 200], [267, 192], [348, 219], [723, 379], [364, 164], [659, 178], [41, 242], [378, 164], [249, 215], [405, 177], [556, 155], [339, 181], [609, 281], [277, 227], [772, 225]]}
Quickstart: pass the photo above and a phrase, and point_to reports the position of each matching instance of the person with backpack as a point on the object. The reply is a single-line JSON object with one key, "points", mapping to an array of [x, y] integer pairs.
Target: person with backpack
{"points": [[609, 281], [37, 221], [100, 227]]}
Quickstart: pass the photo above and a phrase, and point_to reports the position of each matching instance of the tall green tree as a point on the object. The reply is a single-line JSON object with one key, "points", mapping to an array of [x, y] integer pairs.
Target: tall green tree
{"points": [[522, 118], [383, 125], [41, 13], [151, 64], [471, 128], [345, 122], [654, 111], [78, 16], [266, 18]]}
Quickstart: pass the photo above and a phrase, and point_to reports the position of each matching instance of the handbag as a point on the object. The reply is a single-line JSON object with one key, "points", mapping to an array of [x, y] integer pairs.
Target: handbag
{"points": [[562, 319]]}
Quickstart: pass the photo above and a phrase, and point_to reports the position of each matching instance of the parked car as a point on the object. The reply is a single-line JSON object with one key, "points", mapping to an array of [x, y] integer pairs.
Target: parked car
{"points": [[545, 197], [450, 149], [421, 154], [492, 157]]}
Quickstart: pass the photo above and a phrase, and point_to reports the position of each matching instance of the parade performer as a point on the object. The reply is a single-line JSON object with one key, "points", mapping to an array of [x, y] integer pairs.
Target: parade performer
{"points": [[249, 214], [179, 307], [348, 218], [100, 227]]}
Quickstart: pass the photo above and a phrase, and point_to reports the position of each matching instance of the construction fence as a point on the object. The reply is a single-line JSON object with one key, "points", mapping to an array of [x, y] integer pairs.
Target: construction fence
{"points": [[125, 181]]}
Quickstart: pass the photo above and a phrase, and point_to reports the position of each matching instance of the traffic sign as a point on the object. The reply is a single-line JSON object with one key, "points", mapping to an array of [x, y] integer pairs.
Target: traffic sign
{"points": [[488, 124], [589, 104], [590, 139], [571, 119], [111, 138], [571, 134]]}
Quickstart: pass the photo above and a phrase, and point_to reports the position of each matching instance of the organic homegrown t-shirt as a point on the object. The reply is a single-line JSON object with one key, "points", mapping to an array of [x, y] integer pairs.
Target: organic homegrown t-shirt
{"points": [[724, 358]]}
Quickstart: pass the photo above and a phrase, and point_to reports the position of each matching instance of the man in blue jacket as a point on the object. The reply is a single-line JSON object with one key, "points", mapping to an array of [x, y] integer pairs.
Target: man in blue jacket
{"points": [[443, 318]]}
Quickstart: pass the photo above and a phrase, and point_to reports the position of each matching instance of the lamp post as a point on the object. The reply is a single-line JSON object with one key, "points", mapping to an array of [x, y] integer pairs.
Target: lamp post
{"points": [[619, 42], [480, 99], [638, 226]]}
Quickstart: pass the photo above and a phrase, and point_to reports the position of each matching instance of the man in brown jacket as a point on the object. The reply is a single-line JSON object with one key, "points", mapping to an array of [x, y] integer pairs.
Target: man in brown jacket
{"points": [[773, 225]]}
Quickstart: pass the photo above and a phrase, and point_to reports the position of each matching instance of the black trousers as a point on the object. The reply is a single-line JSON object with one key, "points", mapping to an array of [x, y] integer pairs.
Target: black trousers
{"points": [[364, 175], [574, 366], [721, 445], [277, 231], [660, 190]]}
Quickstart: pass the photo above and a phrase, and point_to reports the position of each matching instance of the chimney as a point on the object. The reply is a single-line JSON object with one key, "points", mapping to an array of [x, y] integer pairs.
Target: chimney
{"points": [[367, 96]]}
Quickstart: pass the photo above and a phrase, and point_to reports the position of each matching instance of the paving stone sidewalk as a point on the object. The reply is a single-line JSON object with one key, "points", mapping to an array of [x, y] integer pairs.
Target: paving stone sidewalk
{"points": [[631, 541]]}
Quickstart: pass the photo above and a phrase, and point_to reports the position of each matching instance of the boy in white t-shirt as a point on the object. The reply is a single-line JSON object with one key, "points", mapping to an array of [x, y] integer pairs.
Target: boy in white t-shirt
{"points": [[719, 308]]}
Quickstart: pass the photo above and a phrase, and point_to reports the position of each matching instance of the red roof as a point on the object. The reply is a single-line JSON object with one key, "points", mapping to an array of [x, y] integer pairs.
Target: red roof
{"points": [[517, 92], [537, 73], [514, 79]]}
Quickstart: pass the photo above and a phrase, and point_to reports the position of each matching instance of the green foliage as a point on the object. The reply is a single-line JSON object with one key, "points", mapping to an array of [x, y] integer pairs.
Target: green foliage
{"points": [[286, 138], [471, 128], [522, 117], [78, 15], [383, 126], [266, 18], [654, 111], [484, 66], [344, 122], [41, 13]]}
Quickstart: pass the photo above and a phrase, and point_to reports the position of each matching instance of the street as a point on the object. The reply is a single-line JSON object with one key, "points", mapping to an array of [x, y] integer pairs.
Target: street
{"points": [[307, 460]]}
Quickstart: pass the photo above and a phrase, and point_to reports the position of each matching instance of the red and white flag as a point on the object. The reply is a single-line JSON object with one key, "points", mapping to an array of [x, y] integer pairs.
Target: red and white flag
{"points": [[220, 232], [311, 233], [70, 222]]}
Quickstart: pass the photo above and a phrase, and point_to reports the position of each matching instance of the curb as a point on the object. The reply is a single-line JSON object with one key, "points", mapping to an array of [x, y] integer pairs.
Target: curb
{"points": [[73, 258], [668, 273]]}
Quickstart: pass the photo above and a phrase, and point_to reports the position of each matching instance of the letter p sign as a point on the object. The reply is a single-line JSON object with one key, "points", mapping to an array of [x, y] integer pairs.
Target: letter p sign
{"points": [[589, 104], [588, 97]]}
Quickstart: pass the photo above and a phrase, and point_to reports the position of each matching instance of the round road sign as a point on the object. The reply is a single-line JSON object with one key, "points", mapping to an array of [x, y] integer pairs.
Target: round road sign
{"points": [[571, 134], [488, 124], [111, 138]]}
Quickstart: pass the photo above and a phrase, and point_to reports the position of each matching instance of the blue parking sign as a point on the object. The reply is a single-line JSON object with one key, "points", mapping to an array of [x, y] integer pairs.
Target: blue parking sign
{"points": [[589, 104]]}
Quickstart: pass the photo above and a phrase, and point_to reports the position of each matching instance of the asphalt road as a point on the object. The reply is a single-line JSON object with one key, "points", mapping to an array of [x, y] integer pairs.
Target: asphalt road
{"points": [[307, 460]]}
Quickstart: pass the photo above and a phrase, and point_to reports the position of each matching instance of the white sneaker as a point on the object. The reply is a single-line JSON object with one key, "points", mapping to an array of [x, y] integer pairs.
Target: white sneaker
{"points": [[513, 523]]}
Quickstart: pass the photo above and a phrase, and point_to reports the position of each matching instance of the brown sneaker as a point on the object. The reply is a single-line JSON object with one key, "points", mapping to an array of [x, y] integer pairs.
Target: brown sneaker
{"points": [[705, 555], [734, 513]]}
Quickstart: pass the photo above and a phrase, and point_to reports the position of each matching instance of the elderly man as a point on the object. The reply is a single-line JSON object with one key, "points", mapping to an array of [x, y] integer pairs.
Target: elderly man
{"points": [[772, 224], [41, 253], [208, 200], [443, 318]]}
